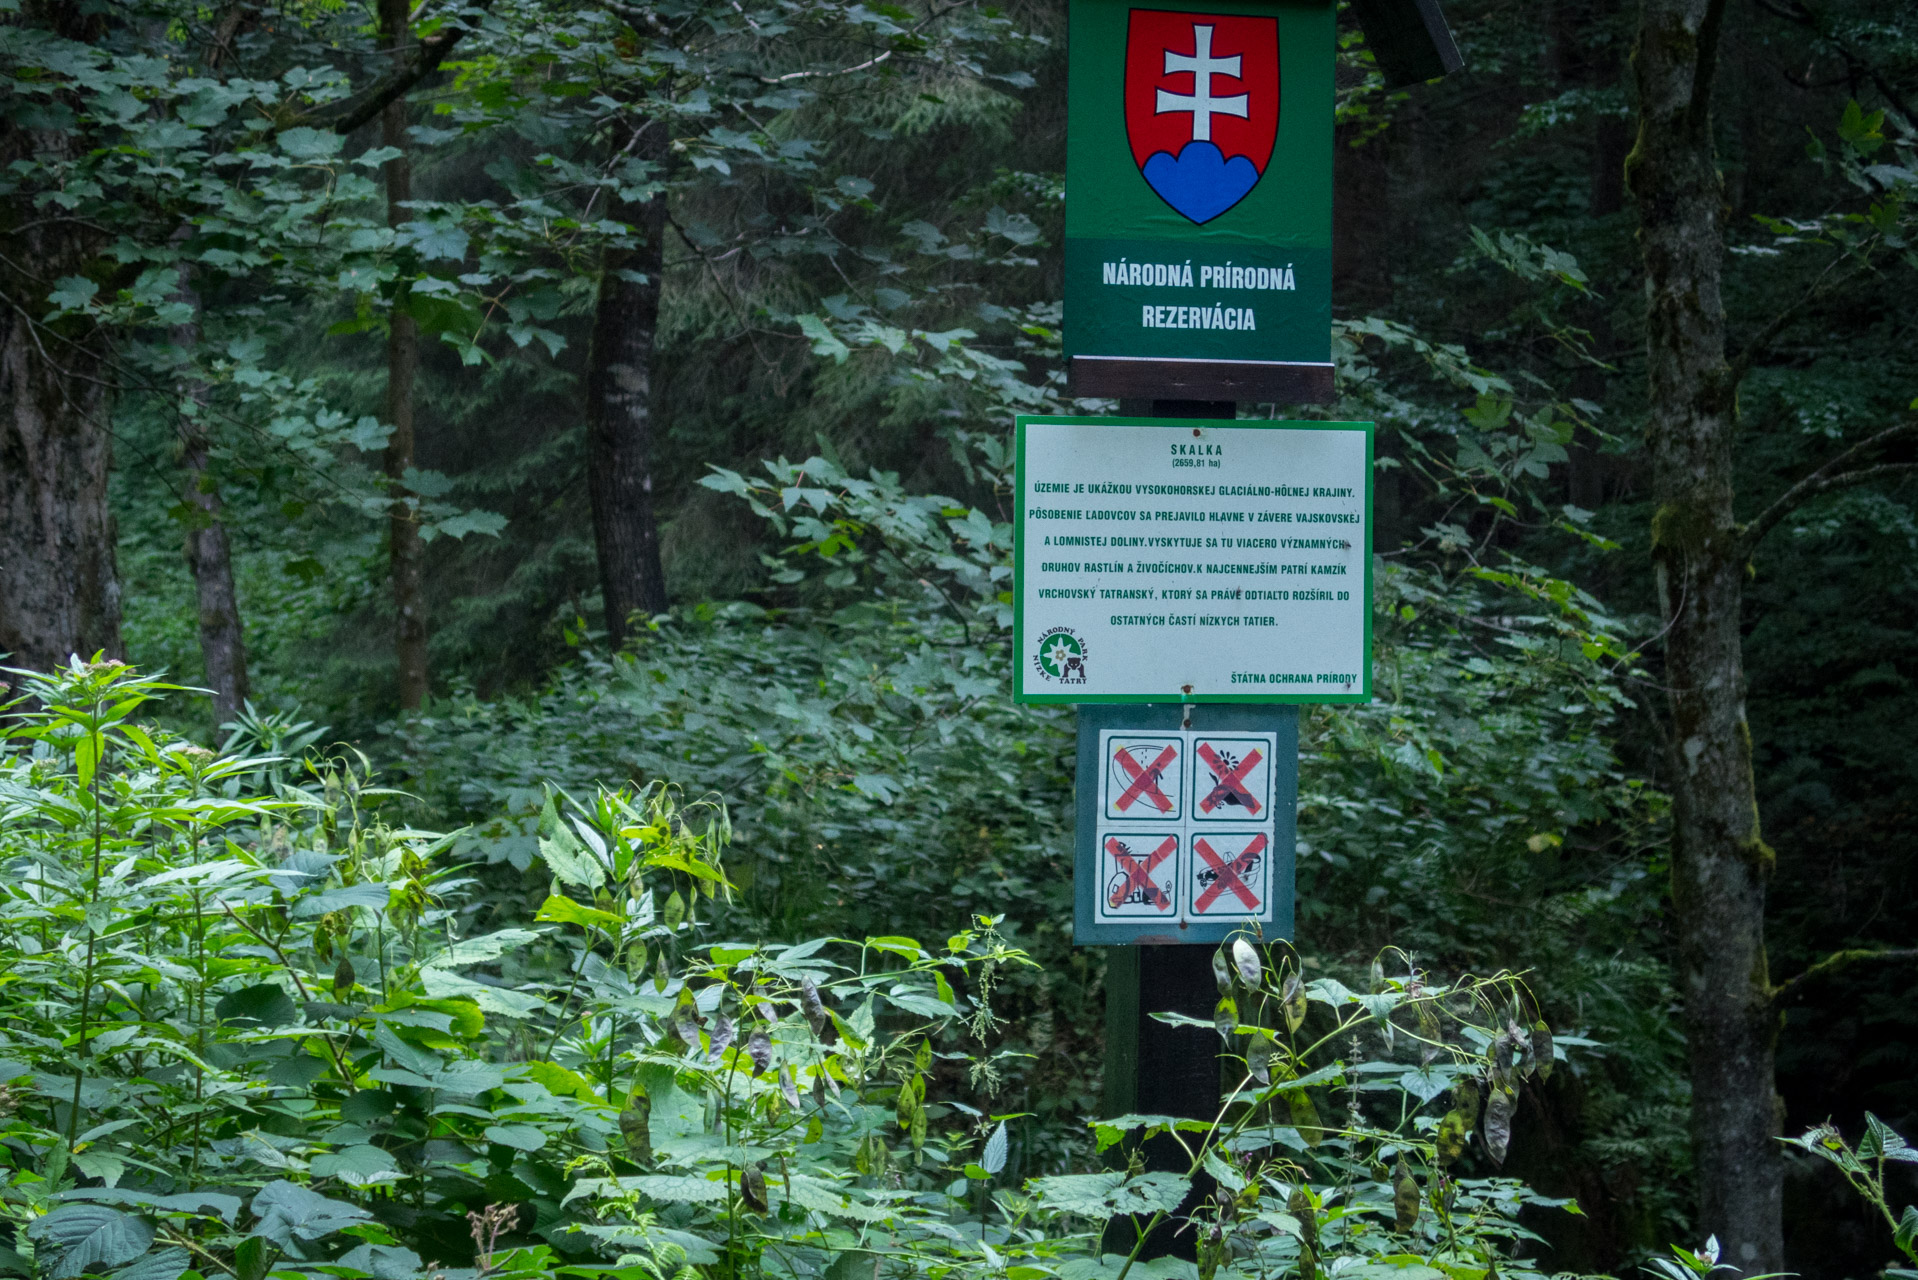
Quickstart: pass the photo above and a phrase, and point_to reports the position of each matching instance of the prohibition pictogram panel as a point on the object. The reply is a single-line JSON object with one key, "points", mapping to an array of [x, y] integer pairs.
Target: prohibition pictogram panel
{"points": [[1231, 778], [1138, 875], [1230, 874], [1144, 777]]}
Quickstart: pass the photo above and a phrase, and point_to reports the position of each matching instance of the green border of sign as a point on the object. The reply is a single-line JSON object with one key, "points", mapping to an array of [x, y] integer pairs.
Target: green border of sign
{"points": [[1284, 721], [1362, 694]]}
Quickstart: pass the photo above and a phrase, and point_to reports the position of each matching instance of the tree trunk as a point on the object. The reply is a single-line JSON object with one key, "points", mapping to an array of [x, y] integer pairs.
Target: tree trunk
{"points": [[208, 553], [619, 425], [1719, 863], [404, 548], [59, 588]]}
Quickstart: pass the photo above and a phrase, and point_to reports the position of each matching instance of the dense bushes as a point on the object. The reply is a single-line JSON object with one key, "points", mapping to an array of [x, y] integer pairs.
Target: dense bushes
{"points": [[249, 1028]]}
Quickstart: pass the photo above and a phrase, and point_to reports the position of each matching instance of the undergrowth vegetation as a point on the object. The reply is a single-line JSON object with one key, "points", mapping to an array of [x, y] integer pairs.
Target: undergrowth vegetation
{"points": [[253, 1028]]}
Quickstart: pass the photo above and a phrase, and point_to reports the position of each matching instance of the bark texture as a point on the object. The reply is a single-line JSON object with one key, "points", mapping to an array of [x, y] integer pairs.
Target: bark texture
{"points": [[209, 553], [59, 589], [1719, 862], [406, 551], [619, 422]]}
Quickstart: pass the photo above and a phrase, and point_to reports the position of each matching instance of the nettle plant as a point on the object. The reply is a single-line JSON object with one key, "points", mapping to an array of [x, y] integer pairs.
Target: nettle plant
{"points": [[247, 1032]]}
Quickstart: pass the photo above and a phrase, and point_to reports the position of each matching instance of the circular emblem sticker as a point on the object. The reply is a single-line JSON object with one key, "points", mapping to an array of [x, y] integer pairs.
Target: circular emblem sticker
{"points": [[1061, 656]]}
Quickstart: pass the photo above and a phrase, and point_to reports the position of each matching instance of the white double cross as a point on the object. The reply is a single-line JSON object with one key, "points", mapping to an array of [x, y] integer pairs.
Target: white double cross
{"points": [[1200, 101]]}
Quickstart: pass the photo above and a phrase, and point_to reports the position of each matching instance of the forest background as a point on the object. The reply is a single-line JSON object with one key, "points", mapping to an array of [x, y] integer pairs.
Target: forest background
{"points": [[847, 220]]}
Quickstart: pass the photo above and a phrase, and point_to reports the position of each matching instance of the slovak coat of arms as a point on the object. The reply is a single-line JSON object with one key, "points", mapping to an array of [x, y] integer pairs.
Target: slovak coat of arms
{"points": [[1201, 105]]}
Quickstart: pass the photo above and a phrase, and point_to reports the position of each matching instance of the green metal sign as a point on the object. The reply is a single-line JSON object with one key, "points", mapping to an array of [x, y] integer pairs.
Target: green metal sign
{"points": [[1199, 184]]}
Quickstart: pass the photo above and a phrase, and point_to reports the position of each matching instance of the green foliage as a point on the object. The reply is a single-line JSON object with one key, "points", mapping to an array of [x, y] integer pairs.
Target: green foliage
{"points": [[248, 1029]]}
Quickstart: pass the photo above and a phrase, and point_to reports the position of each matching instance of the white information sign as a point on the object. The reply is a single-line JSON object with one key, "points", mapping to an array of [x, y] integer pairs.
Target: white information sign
{"points": [[1193, 561], [1186, 827]]}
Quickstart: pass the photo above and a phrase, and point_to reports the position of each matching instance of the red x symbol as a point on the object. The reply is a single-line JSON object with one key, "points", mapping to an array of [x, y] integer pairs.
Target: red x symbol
{"points": [[1138, 876], [1229, 873], [1145, 782], [1231, 782]]}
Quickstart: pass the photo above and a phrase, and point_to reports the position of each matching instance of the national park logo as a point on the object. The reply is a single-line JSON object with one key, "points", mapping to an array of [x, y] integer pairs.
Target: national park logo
{"points": [[1061, 655]]}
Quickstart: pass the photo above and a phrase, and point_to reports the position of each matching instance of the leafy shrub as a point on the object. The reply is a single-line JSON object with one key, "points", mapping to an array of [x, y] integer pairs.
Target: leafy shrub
{"points": [[248, 1031]]}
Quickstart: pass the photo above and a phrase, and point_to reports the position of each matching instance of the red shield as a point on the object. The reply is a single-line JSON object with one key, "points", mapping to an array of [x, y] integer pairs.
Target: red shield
{"points": [[1201, 105]]}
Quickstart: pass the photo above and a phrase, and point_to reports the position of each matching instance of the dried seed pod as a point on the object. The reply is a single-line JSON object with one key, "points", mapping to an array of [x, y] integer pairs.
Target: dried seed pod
{"points": [[759, 1047], [907, 1103], [812, 1006], [1465, 1100], [1542, 1050], [819, 1088], [634, 1128], [685, 1019], [723, 1033], [1498, 1123], [1405, 1198], [1454, 1132], [1502, 1052], [1225, 1016], [1245, 958], [1258, 1059], [1300, 1207], [752, 1188], [1305, 1117], [1293, 1002], [788, 1087], [1222, 971]]}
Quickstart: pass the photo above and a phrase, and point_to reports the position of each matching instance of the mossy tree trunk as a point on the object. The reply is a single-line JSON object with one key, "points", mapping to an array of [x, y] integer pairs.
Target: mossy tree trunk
{"points": [[1719, 862]]}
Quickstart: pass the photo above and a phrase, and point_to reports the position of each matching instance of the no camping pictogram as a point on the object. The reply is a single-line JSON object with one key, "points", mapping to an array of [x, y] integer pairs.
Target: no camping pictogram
{"points": [[1139, 874], [1230, 873], [1144, 777], [1233, 780]]}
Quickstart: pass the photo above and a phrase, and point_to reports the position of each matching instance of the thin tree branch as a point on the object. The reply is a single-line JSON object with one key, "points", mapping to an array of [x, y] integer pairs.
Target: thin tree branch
{"points": [[1824, 480], [1742, 363], [1855, 62], [423, 62], [1835, 962], [1705, 69]]}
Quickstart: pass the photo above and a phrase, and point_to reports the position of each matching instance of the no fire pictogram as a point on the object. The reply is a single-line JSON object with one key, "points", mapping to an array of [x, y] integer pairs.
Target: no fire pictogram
{"points": [[1144, 777]]}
